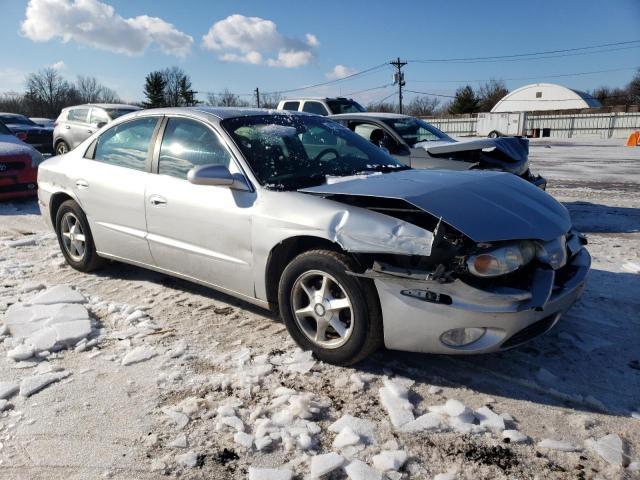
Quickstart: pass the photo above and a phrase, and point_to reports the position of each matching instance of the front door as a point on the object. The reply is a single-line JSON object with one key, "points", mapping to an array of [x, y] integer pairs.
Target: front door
{"points": [[110, 187], [199, 231]]}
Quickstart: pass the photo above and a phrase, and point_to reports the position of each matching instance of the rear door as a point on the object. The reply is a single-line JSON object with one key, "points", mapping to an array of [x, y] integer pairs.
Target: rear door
{"points": [[110, 185], [77, 126], [199, 231]]}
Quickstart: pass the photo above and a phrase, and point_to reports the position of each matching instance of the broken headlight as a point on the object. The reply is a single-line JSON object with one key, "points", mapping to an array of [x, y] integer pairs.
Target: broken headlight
{"points": [[501, 261]]}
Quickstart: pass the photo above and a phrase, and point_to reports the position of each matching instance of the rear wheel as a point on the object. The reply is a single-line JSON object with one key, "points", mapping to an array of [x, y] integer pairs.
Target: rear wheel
{"points": [[61, 147], [75, 239], [327, 311], [494, 134]]}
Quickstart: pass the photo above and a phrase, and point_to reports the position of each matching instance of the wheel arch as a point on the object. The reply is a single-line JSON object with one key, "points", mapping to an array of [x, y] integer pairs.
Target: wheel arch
{"points": [[285, 251], [56, 200]]}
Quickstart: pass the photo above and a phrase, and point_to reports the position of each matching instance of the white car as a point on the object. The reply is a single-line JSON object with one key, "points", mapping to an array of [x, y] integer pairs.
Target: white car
{"points": [[321, 105]]}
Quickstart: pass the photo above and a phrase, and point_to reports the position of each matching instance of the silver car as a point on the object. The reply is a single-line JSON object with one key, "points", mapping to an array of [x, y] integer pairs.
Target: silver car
{"points": [[75, 124], [419, 144], [296, 212]]}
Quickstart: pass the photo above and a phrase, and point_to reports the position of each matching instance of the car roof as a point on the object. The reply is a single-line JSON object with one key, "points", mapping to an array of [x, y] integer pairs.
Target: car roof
{"points": [[221, 113], [108, 105], [12, 114], [297, 99], [370, 115]]}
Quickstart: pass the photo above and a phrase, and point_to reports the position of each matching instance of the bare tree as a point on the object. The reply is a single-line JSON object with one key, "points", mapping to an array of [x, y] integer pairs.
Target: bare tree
{"points": [[384, 107], [270, 100], [48, 93], [13, 102], [225, 99], [90, 90], [491, 93], [422, 106]]}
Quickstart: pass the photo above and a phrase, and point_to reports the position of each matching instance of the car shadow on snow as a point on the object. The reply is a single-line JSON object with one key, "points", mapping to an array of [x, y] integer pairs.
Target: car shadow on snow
{"points": [[27, 206], [590, 361], [596, 218]]}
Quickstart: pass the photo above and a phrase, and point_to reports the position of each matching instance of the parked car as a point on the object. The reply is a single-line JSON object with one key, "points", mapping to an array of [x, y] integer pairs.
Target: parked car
{"points": [[43, 122], [27, 131], [356, 249], [321, 105], [18, 166], [76, 124], [416, 143]]}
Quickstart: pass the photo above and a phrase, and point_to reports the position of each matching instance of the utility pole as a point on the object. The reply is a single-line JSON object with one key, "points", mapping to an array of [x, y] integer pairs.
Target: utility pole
{"points": [[398, 78], [257, 90]]}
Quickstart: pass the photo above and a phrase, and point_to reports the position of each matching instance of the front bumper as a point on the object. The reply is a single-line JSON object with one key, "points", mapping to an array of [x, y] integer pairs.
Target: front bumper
{"points": [[510, 316]]}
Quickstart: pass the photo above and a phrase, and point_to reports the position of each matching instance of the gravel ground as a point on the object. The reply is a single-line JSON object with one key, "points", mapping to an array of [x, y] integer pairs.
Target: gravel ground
{"points": [[164, 392]]}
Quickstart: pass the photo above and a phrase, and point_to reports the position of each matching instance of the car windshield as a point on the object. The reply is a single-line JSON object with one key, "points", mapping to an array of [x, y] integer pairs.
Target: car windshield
{"points": [[118, 112], [288, 152], [413, 130], [16, 120], [345, 106]]}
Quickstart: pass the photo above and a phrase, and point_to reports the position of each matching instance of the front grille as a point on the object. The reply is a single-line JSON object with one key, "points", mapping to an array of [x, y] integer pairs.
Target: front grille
{"points": [[532, 331], [11, 166]]}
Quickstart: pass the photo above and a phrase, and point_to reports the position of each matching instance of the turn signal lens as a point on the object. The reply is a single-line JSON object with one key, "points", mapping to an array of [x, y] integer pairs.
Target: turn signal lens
{"points": [[461, 337]]}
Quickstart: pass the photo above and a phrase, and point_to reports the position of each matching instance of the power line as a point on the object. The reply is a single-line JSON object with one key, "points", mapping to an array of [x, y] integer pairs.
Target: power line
{"points": [[431, 94], [330, 82], [532, 55], [369, 89], [529, 78]]}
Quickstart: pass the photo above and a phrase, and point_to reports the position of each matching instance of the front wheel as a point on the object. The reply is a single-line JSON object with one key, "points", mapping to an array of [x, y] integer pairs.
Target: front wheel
{"points": [[327, 311], [75, 239], [494, 134]]}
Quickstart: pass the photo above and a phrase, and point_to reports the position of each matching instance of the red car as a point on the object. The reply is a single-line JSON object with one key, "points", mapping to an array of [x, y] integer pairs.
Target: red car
{"points": [[18, 167]]}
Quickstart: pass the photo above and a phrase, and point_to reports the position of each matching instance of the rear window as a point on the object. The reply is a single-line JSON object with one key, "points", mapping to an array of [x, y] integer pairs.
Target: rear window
{"points": [[4, 130], [78, 114], [118, 112], [291, 106], [15, 120], [314, 107], [345, 106]]}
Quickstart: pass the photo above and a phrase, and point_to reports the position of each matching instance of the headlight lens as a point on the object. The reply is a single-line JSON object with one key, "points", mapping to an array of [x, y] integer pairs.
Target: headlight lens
{"points": [[502, 260]]}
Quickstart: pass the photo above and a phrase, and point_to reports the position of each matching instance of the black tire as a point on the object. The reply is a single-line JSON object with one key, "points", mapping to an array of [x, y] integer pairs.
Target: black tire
{"points": [[62, 147], [365, 316], [493, 134], [89, 259]]}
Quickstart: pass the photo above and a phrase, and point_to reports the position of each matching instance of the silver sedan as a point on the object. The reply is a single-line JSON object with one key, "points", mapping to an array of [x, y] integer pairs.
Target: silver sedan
{"points": [[296, 212]]}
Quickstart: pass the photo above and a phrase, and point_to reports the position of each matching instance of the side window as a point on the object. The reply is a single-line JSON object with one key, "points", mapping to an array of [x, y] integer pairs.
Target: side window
{"points": [[291, 106], [78, 115], [315, 107], [126, 144], [98, 116], [187, 144]]}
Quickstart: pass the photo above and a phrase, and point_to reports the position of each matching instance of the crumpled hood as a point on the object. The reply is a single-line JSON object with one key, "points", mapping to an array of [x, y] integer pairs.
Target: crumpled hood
{"points": [[508, 153], [485, 206]]}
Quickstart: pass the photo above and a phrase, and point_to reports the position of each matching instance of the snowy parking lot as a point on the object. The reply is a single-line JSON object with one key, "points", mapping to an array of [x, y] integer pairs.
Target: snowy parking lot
{"points": [[127, 373]]}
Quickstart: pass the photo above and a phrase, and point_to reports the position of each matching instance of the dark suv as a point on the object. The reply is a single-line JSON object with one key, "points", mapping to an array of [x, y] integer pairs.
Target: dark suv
{"points": [[76, 124]]}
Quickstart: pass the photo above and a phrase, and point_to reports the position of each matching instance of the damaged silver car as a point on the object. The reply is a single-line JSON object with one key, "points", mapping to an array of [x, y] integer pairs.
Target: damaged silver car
{"points": [[296, 212], [419, 144]]}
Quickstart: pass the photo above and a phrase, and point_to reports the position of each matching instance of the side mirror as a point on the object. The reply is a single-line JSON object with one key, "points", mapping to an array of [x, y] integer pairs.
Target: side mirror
{"points": [[216, 175]]}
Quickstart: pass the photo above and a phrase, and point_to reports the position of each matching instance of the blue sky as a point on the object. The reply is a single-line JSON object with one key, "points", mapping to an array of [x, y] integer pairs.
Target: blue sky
{"points": [[296, 43]]}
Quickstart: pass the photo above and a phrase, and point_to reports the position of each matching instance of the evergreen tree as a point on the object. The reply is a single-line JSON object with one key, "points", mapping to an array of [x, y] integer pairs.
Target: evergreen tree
{"points": [[465, 101], [154, 86], [186, 93]]}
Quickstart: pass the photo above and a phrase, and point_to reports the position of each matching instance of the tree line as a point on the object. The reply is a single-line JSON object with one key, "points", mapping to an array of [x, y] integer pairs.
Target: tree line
{"points": [[47, 92]]}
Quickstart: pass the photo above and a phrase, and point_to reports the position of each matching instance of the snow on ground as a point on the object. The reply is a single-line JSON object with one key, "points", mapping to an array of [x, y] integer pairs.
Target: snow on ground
{"points": [[126, 373]]}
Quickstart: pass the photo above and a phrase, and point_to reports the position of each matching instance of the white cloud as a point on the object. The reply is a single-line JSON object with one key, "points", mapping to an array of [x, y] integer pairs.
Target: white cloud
{"points": [[59, 65], [93, 23], [249, 39], [340, 71]]}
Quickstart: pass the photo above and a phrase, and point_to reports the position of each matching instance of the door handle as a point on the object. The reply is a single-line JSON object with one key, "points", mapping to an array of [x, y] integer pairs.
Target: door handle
{"points": [[67, 127], [90, 131], [82, 184], [157, 200]]}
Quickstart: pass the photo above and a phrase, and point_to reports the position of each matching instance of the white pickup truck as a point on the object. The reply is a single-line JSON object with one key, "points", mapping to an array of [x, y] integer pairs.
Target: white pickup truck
{"points": [[321, 105]]}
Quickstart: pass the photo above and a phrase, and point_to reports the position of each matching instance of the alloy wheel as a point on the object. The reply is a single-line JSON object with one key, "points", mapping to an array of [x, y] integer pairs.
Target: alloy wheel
{"points": [[322, 309], [73, 237]]}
